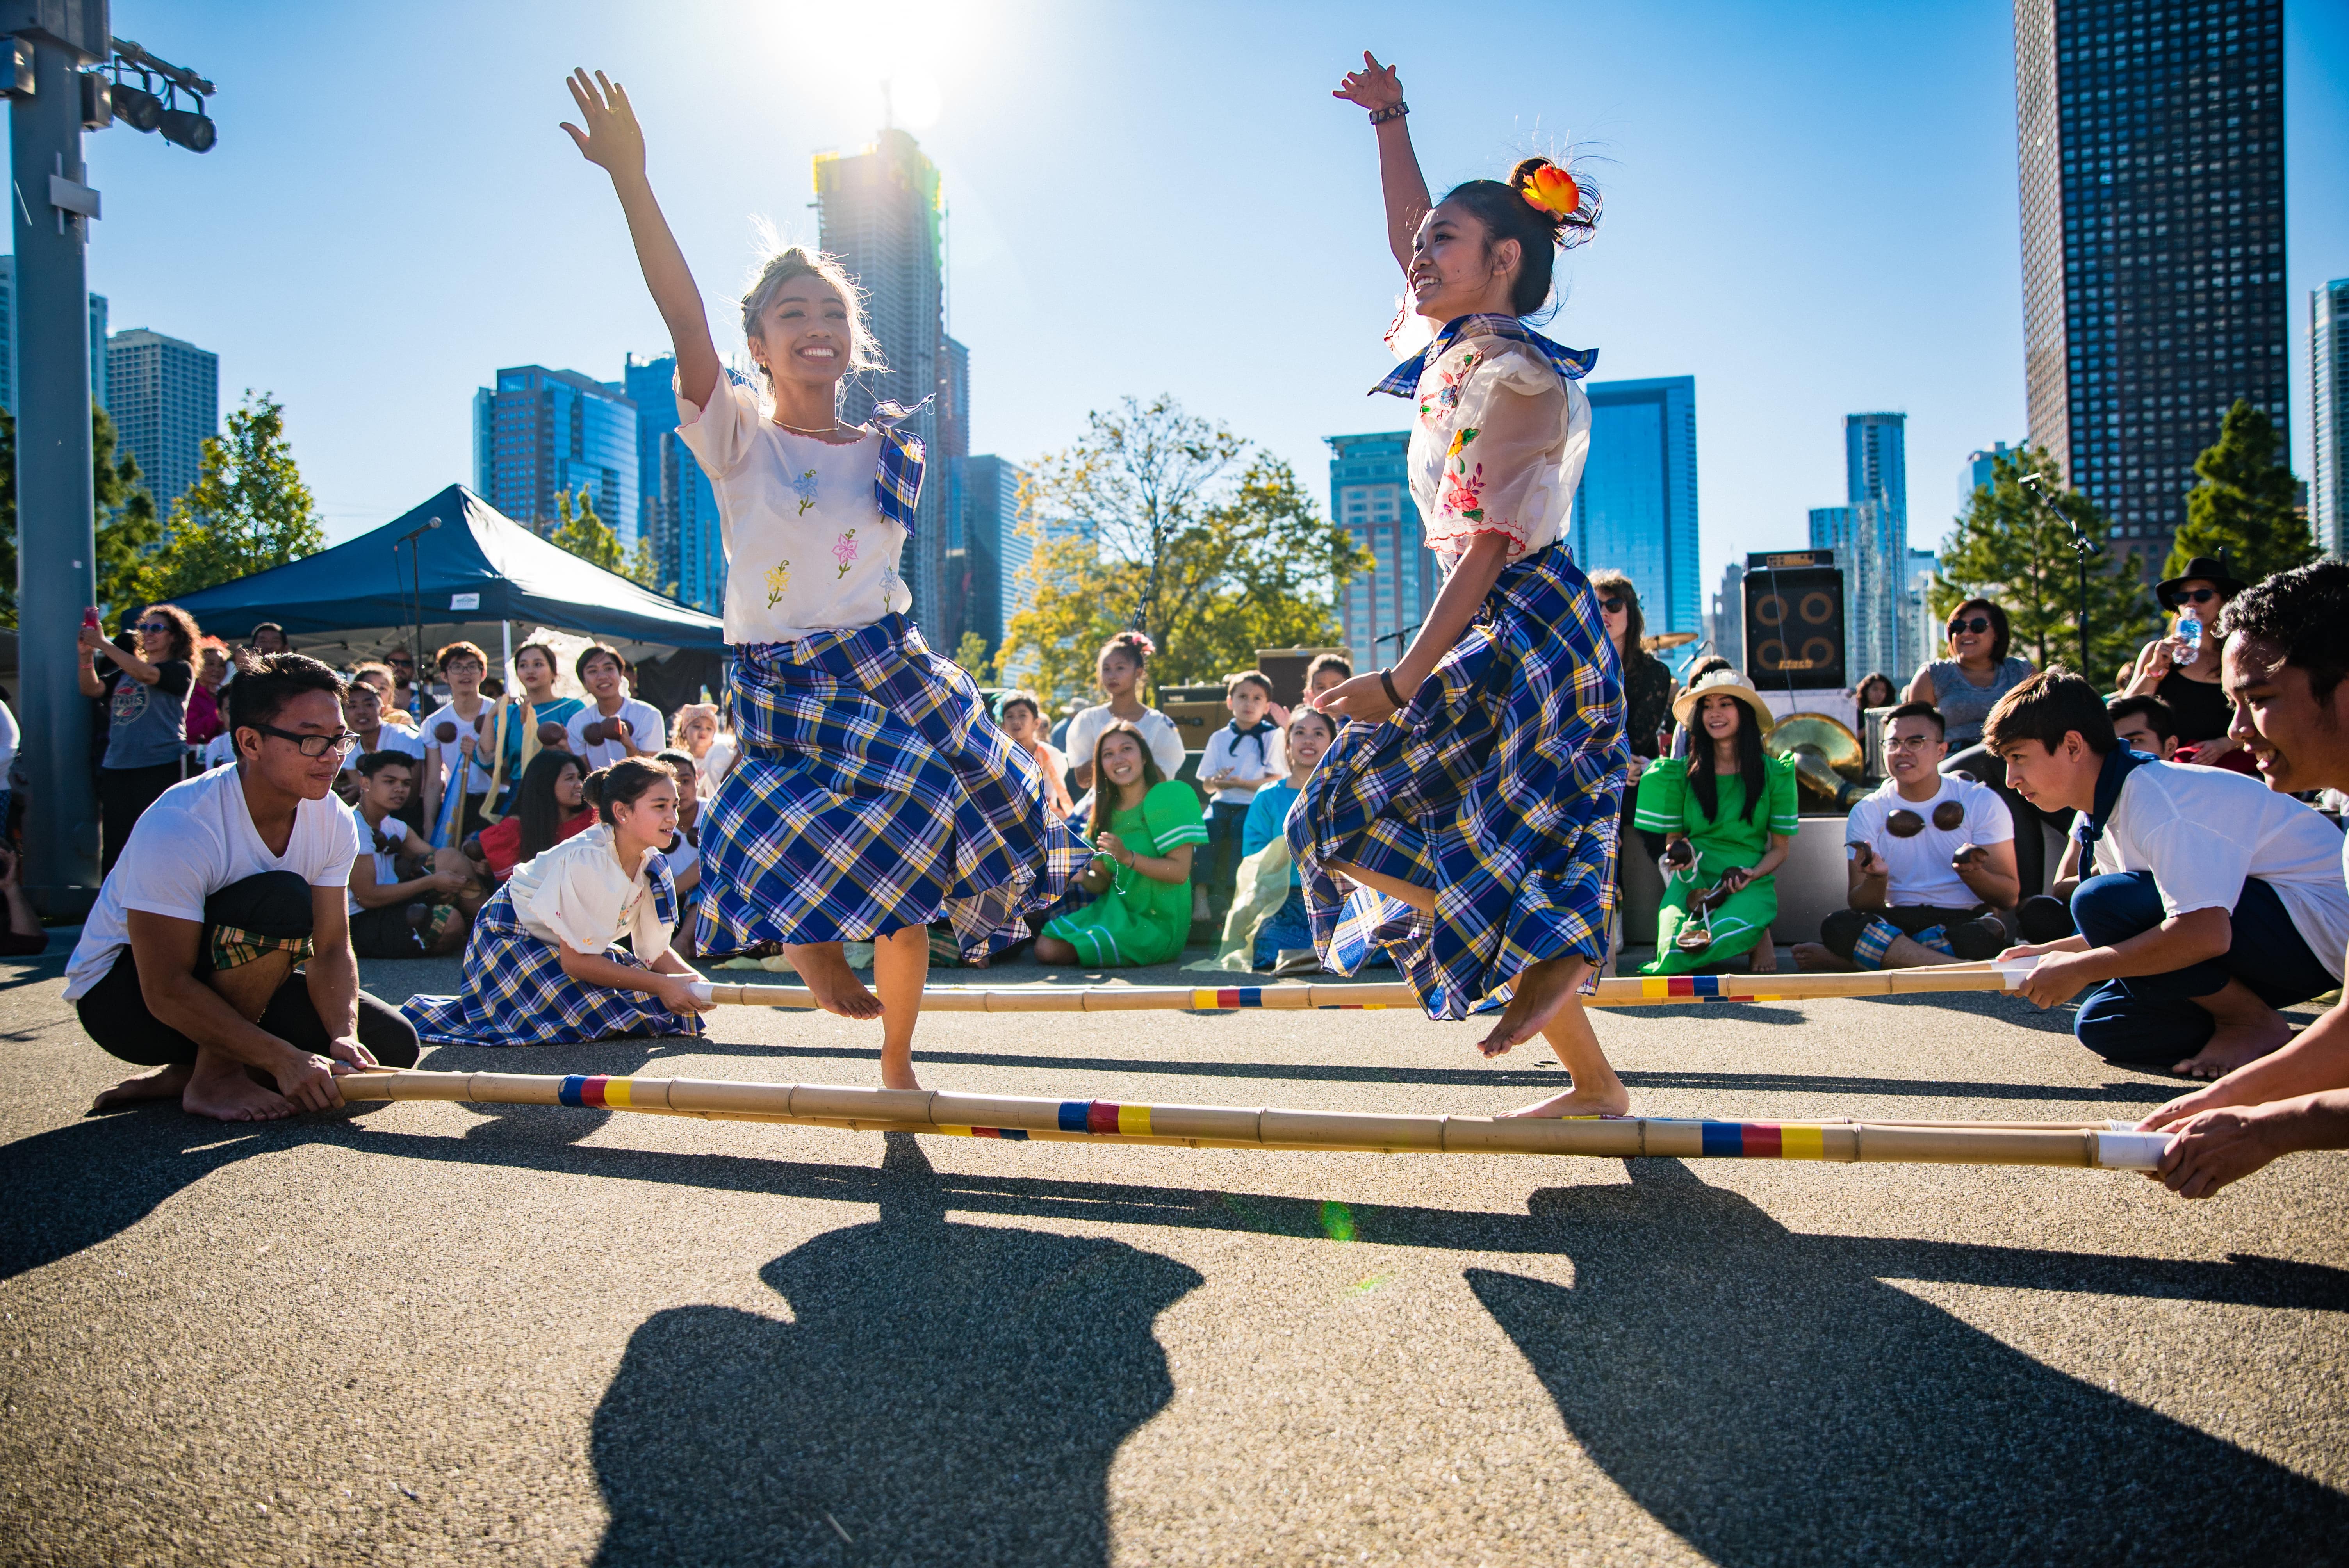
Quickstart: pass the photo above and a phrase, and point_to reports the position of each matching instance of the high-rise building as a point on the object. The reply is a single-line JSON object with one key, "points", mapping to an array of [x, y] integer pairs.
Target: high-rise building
{"points": [[2328, 487], [2150, 136], [1875, 464], [1870, 535], [1920, 631], [164, 396], [1636, 509], [1980, 470], [539, 432], [1728, 615], [881, 213], [649, 385], [1369, 498], [8, 340], [955, 613], [996, 552]]}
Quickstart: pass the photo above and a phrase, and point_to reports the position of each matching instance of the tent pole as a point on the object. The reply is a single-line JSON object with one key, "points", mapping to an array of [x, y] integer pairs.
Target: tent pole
{"points": [[505, 637]]}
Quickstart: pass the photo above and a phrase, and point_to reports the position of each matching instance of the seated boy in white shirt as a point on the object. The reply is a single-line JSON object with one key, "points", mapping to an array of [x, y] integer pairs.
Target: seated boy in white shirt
{"points": [[2210, 902], [1241, 758], [1931, 861]]}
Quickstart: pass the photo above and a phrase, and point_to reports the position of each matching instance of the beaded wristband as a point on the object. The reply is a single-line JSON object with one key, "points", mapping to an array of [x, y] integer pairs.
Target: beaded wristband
{"points": [[1394, 110]]}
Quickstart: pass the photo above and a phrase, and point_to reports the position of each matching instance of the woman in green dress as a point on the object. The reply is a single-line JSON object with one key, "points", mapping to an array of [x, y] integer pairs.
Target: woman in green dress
{"points": [[1733, 805], [1140, 875]]}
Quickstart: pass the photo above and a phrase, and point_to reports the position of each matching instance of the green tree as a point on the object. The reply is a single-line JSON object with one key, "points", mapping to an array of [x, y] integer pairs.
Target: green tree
{"points": [[971, 655], [643, 571], [127, 526], [247, 511], [1248, 566], [2017, 550], [584, 533], [2242, 511]]}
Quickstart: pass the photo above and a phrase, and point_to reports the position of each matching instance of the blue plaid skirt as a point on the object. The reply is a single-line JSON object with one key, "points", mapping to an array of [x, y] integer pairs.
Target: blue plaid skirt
{"points": [[516, 994], [1499, 786], [874, 792]]}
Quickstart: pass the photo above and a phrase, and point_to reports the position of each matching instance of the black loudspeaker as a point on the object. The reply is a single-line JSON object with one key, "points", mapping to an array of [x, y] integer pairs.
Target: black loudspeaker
{"points": [[1794, 621]]}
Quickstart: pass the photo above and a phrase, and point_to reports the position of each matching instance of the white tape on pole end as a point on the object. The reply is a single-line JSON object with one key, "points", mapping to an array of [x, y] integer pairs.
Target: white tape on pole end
{"points": [[2015, 971], [702, 992], [2131, 1151]]}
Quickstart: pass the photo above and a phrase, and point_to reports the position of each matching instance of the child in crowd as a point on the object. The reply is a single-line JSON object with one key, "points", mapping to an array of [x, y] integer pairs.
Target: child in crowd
{"points": [[1022, 715], [535, 669], [1310, 733], [1118, 670], [1327, 672], [696, 729], [459, 760], [873, 793], [1141, 869], [392, 916], [1241, 758], [544, 967], [624, 726], [548, 807], [684, 851], [206, 702]]}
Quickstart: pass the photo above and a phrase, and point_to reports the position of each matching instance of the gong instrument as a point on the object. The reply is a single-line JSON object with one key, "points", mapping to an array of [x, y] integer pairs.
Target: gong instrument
{"points": [[1829, 760]]}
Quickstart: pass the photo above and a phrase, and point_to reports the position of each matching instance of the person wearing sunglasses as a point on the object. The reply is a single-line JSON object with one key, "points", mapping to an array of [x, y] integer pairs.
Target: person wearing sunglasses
{"points": [[1932, 862], [147, 716], [1732, 804], [218, 952], [1963, 688], [2182, 668]]}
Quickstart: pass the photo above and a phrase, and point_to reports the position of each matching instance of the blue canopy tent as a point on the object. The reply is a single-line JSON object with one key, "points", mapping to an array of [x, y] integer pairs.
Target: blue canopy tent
{"points": [[477, 575]]}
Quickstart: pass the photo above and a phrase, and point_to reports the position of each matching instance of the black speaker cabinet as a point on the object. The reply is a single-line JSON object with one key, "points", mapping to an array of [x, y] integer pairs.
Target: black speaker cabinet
{"points": [[1794, 627]]}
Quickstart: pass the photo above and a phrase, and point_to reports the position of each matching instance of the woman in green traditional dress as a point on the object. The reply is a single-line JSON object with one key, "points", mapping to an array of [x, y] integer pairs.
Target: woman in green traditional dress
{"points": [[1733, 805], [1140, 875]]}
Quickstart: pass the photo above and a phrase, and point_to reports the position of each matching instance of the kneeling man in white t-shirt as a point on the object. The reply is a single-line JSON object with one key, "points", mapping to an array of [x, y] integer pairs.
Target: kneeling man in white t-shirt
{"points": [[218, 952], [2209, 900], [1932, 862]]}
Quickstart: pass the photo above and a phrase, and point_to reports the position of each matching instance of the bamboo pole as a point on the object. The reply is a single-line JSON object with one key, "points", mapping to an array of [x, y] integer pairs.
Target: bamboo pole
{"points": [[1629, 991], [1016, 1116]]}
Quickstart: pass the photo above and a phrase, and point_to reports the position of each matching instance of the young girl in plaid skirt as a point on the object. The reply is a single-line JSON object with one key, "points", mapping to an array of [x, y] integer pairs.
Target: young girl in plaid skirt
{"points": [[1465, 820], [873, 793]]}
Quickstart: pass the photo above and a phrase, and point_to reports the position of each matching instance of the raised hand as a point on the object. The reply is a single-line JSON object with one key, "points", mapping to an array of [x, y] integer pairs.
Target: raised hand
{"points": [[613, 139], [1374, 87]]}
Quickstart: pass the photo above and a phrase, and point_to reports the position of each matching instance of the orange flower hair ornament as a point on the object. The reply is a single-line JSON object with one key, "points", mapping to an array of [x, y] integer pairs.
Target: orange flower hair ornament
{"points": [[1552, 189]]}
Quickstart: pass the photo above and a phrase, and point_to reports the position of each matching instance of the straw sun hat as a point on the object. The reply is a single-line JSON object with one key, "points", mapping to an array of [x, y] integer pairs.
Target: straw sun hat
{"points": [[1723, 683]]}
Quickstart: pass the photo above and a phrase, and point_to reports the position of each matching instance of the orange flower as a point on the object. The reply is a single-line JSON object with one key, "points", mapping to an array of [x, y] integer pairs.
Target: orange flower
{"points": [[1553, 190]]}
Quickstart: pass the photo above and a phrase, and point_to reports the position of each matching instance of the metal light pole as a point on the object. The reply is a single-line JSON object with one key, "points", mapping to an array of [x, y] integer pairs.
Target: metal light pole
{"points": [[2082, 547]]}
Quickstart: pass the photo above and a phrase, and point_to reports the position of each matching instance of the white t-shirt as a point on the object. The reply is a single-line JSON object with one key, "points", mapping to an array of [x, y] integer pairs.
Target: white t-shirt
{"points": [[1254, 756], [576, 894], [477, 777], [645, 727], [807, 549], [386, 861], [392, 738], [1165, 740], [195, 839], [1918, 870], [2202, 830], [709, 771]]}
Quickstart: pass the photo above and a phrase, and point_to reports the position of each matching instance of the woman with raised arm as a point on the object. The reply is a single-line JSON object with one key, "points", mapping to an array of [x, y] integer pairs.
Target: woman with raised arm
{"points": [[874, 794], [1472, 802]]}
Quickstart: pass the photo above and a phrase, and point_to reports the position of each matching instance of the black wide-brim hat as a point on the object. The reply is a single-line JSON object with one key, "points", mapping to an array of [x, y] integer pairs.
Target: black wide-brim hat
{"points": [[2209, 570]]}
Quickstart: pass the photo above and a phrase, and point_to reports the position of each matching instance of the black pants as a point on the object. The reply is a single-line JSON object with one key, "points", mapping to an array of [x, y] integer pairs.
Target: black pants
{"points": [[275, 904], [389, 930], [1973, 933], [123, 796]]}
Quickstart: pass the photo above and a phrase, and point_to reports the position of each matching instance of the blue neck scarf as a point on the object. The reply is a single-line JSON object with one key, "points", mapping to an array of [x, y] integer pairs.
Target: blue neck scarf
{"points": [[2119, 763], [1573, 363]]}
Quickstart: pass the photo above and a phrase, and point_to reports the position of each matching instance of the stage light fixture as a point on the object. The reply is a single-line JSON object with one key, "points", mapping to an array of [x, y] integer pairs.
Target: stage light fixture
{"points": [[137, 108], [97, 101], [190, 130]]}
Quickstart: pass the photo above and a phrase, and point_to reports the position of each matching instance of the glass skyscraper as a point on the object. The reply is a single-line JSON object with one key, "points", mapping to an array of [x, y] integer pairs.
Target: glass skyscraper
{"points": [[541, 431], [1636, 509], [2328, 487], [995, 549], [1370, 496], [2151, 147], [1980, 471], [97, 393], [1870, 535], [164, 396], [678, 508]]}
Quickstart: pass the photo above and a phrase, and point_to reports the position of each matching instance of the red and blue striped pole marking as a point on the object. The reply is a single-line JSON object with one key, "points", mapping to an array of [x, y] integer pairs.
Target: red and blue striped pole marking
{"points": [[1762, 1141]]}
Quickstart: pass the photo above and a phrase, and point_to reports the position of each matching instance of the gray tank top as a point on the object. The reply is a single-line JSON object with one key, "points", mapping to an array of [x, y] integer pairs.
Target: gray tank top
{"points": [[1964, 705], [148, 723]]}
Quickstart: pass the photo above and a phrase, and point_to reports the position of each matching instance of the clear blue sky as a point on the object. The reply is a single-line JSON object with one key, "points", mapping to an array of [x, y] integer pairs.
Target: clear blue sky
{"points": [[1810, 208]]}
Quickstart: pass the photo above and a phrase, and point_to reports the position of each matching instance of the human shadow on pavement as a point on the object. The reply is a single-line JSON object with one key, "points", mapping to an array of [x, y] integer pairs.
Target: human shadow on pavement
{"points": [[940, 1392], [77, 1185], [1767, 1396]]}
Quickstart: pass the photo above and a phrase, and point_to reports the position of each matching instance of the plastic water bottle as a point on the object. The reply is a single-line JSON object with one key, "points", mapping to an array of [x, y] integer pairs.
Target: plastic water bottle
{"points": [[2189, 631]]}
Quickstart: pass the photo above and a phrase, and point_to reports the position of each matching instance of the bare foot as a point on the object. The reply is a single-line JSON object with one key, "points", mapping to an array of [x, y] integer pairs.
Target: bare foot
{"points": [[220, 1087], [1542, 989], [1818, 959], [1580, 1102], [893, 1076], [830, 980], [2233, 1044], [1765, 956], [164, 1083]]}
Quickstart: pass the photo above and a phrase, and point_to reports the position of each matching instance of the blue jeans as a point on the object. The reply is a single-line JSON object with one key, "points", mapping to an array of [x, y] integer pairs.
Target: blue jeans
{"points": [[2152, 1019]]}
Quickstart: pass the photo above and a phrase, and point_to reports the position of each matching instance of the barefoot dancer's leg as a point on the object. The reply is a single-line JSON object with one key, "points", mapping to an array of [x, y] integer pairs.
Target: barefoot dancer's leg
{"points": [[1422, 899], [830, 981], [222, 1087], [164, 1083], [901, 966], [1597, 1090], [2248, 1029], [1543, 989]]}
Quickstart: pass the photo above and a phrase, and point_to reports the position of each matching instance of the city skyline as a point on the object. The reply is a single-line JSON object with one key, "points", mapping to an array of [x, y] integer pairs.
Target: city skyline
{"points": [[2328, 477]]}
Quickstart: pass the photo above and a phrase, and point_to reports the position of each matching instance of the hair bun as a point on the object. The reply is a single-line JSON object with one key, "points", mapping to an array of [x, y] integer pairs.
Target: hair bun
{"points": [[1569, 205], [591, 789]]}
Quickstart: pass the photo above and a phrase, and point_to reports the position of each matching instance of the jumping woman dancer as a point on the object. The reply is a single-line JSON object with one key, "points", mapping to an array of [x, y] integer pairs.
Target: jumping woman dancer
{"points": [[874, 794], [1472, 800]]}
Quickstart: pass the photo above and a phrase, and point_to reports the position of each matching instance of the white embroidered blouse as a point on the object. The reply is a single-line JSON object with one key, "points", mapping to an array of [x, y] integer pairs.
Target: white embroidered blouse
{"points": [[807, 549], [578, 893], [1496, 447]]}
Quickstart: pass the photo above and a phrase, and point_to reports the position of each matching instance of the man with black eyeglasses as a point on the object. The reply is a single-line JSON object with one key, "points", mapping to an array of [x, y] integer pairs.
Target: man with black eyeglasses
{"points": [[1932, 862], [218, 952]]}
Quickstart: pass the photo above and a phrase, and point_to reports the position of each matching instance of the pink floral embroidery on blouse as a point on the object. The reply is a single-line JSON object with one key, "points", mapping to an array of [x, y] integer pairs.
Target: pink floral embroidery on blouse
{"points": [[843, 549]]}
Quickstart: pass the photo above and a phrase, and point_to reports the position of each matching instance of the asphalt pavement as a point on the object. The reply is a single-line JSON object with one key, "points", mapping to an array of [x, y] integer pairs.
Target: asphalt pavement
{"points": [[432, 1333]]}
